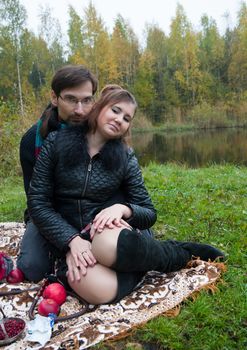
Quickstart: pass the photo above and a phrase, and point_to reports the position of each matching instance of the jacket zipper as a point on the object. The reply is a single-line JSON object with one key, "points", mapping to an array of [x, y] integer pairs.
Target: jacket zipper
{"points": [[80, 216], [89, 168]]}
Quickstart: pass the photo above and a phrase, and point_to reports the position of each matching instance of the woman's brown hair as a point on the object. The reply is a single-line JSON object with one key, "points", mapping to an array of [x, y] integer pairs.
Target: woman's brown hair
{"points": [[109, 96]]}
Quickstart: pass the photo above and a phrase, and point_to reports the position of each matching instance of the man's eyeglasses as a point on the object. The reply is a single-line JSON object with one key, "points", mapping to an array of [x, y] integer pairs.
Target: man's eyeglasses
{"points": [[73, 101]]}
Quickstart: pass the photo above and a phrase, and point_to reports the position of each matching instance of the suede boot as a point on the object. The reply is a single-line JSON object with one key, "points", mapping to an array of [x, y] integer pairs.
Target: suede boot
{"points": [[127, 281], [137, 252], [202, 251]]}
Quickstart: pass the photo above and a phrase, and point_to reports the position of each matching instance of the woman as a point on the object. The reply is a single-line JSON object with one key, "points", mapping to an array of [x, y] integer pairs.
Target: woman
{"points": [[77, 172]]}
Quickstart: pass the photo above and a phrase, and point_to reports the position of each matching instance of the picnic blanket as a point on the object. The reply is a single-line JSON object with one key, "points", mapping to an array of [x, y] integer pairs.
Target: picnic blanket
{"points": [[158, 293]]}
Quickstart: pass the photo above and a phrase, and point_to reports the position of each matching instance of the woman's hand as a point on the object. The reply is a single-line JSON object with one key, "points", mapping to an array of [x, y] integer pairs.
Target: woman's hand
{"points": [[110, 217], [79, 257], [74, 272]]}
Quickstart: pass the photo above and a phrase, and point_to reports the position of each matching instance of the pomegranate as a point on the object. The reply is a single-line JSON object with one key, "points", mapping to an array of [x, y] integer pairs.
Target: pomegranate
{"points": [[48, 306], [12, 327], [56, 292], [15, 276]]}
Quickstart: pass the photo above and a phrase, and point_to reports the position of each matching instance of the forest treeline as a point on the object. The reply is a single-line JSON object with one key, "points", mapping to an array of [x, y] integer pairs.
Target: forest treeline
{"points": [[191, 76]]}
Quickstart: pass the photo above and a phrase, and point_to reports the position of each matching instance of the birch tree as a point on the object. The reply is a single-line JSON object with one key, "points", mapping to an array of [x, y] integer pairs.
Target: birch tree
{"points": [[13, 16]]}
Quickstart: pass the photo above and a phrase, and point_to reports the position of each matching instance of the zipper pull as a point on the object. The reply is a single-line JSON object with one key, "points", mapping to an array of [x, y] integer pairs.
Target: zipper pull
{"points": [[89, 168]]}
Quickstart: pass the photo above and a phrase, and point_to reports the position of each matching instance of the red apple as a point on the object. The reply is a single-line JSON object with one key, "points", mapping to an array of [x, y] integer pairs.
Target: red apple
{"points": [[15, 276], [56, 292], [48, 306]]}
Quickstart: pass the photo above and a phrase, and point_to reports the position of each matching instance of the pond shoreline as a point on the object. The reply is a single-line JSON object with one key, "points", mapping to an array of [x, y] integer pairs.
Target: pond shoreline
{"points": [[184, 127], [192, 147]]}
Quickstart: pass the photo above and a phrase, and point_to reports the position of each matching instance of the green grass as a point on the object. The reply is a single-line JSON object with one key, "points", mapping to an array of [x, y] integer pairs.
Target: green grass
{"points": [[12, 199], [207, 205]]}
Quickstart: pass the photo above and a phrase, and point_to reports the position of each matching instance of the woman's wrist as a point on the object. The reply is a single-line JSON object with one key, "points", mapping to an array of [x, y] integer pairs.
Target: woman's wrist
{"points": [[127, 212], [73, 239]]}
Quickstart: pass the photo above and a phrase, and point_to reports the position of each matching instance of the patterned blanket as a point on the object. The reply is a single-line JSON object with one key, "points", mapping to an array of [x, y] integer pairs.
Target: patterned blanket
{"points": [[155, 295]]}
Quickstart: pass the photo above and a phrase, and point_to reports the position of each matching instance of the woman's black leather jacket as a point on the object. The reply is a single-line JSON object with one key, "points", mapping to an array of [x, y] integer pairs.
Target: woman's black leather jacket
{"points": [[67, 190]]}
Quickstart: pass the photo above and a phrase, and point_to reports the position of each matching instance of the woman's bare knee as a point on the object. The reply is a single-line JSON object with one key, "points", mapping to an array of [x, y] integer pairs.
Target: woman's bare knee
{"points": [[98, 286], [104, 246]]}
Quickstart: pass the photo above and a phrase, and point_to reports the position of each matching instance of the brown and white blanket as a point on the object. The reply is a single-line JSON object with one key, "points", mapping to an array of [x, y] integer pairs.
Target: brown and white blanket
{"points": [[156, 294]]}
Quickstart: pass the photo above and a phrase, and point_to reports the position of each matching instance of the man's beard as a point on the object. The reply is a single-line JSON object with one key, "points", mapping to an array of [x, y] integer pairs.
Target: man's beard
{"points": [[76, 119]]}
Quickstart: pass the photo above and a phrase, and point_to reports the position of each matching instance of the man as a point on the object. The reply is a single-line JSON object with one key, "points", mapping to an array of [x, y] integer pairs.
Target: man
{"points": [[72, 91]]}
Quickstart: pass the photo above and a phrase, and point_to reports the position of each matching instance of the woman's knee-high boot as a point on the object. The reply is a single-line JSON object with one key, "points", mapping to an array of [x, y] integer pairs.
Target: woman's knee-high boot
{"points": [[138, 252]]}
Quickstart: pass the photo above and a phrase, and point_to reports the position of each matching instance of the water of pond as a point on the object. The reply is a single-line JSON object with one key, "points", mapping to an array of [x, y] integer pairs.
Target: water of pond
{"points": [[195, 148]]}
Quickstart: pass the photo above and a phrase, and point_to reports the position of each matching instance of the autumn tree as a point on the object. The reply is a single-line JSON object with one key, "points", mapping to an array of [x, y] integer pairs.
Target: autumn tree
{"points": [[183, 61], [144, 88], [211, 55], [75, 33], [89, 43], [156, 46], [13, 17], [125, 51], [37, 62], [50, 31], [238, 66]]}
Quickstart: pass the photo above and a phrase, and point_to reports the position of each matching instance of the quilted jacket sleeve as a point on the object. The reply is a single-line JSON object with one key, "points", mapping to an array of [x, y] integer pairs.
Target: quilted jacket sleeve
{"points": [[27, 155], [50, 223], [137, 197]]}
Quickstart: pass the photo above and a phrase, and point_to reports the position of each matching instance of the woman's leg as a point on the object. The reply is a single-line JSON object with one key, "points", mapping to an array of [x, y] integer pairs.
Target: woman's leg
{"points": [[102, 284], [138, 252], [98, 286], [104, 246], [130, 254], [130, 251]]}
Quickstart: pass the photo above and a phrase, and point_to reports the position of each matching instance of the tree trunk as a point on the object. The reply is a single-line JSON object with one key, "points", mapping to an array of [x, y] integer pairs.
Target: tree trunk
{"points": [[19, 85]]}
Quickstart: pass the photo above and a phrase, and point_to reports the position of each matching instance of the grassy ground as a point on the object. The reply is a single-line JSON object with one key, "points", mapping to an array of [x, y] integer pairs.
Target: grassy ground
{"points": [[12, 199], [206, 205]]}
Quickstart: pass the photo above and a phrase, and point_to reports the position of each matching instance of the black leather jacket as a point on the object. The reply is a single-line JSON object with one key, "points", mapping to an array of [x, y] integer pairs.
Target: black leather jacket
{"points": [[63, 199]]}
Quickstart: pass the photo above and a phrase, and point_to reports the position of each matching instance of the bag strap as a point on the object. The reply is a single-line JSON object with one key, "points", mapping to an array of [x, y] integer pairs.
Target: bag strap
{"points": [[85, 305], [18, 291], [40, 289]]}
